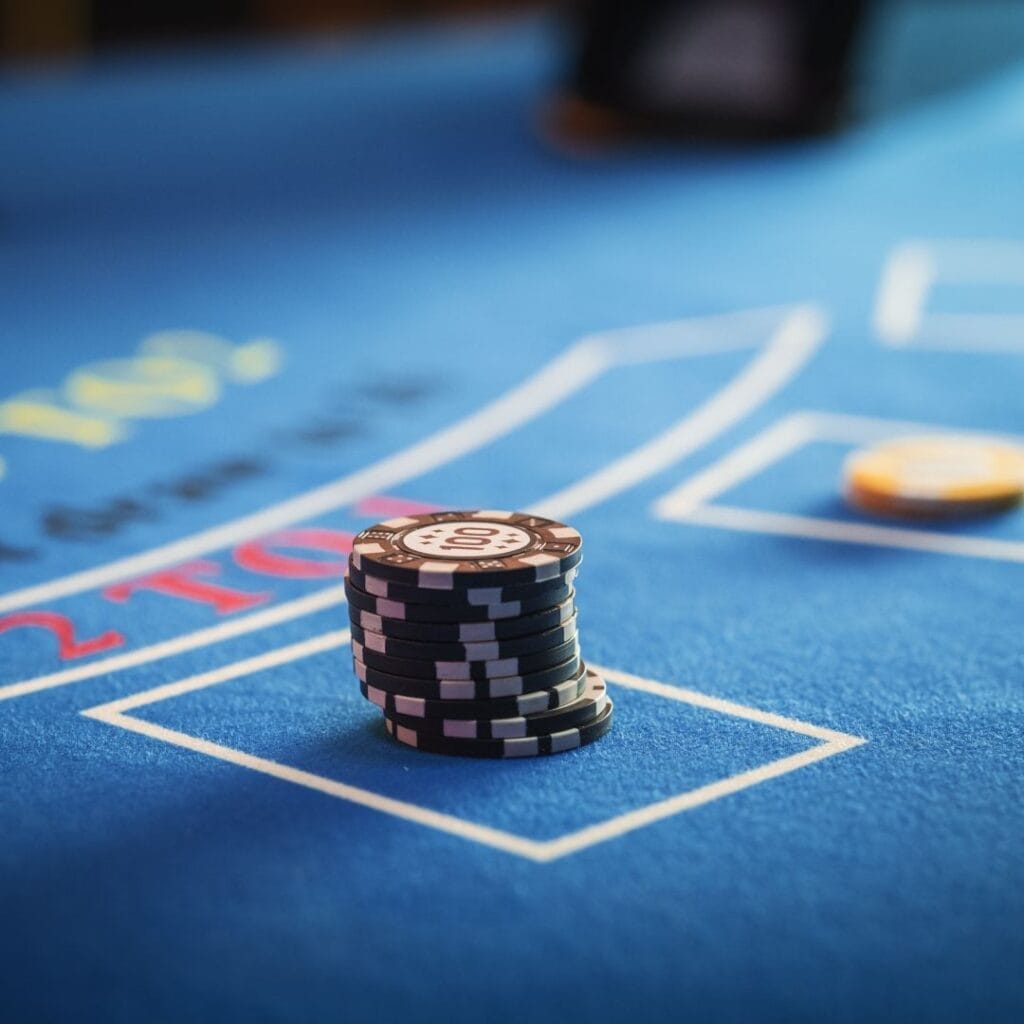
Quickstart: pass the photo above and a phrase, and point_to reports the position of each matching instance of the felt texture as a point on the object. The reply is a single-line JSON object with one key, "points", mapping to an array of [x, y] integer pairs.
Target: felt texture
{"points": [[386, 211]]}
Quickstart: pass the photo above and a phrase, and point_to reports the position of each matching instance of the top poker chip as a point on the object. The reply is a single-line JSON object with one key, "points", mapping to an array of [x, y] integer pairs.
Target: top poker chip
{"points": [[452, 550], [942, 474]]}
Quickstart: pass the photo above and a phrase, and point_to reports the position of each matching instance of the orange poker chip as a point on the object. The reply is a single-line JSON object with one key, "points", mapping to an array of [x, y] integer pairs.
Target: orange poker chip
{"points": [[885, 505], [935, 475]]}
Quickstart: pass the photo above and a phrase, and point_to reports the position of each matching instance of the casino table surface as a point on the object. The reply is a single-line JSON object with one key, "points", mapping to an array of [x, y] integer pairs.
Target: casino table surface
{"points": [[254, 301]]}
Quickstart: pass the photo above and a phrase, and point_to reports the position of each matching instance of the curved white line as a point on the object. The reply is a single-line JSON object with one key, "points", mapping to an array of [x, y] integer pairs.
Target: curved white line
{"points": [[793, 343], [565, 375], [568, 373]]}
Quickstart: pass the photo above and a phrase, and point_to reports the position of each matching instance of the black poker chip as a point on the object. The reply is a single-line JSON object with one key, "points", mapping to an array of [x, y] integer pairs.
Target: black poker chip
{"points": [[453, 550], [406, 593], [429, 613], [524, 746], [517, 705], [484, 650], [584, 709], [468, 689], [465, 632], [495, 668]]}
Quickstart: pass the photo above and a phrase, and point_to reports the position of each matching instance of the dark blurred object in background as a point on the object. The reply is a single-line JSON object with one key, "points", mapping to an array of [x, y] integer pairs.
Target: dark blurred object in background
{"points": [[31, 29], [734, 68]]}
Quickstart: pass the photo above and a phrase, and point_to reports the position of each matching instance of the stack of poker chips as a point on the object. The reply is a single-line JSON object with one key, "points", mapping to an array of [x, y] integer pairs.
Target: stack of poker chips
{"points": [[464, 634]]}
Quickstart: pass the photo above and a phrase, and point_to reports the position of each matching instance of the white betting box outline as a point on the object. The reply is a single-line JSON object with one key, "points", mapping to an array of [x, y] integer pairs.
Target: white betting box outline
{"points": [[691, 501], [912, 271], [541, 851]]}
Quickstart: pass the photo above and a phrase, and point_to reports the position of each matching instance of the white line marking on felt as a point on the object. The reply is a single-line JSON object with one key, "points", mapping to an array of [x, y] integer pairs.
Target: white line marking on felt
{"points": [[846, 428], [833, 743], [783, 438], [691, 337], [972, 332], [691, 501], [551, 385], [978, 260], [329, 597], [914, 268], [721, 706], [746, 460], [794, 341], [246, 667], [565, 375], [483, 834], [906, 280], [113, 713], [783, 524], [644, 816]]}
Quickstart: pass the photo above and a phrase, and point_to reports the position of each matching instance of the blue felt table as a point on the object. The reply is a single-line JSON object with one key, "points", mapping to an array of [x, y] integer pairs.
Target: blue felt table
{"points": [[811, 804]]}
